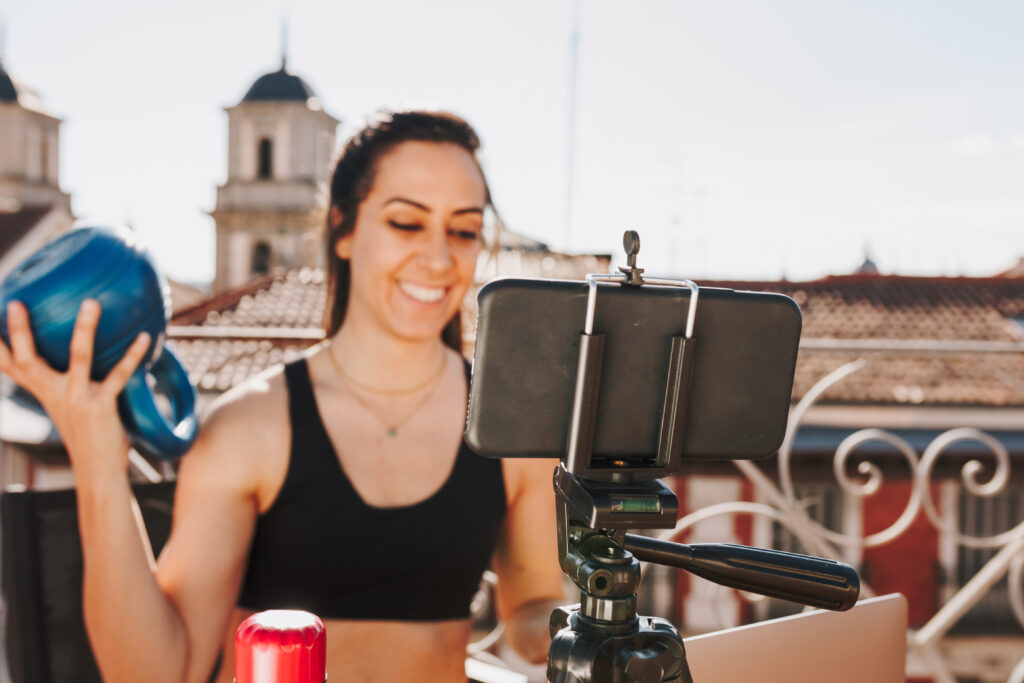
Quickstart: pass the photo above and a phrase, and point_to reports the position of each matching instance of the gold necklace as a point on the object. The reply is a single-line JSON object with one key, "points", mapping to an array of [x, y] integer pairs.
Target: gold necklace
{"points": [[392, 427], [352, 381]]}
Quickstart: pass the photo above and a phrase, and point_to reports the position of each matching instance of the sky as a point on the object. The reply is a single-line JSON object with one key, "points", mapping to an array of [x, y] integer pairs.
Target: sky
{"points": [[741, 138]]}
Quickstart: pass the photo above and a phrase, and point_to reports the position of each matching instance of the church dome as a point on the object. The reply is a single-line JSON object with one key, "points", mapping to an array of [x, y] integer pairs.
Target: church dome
{"points": [[279, 86], [8, 93], [14, 90]]}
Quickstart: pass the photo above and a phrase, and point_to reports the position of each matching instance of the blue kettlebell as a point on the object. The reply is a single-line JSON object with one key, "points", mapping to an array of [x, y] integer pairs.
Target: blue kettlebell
{"points": [[109, 264]]}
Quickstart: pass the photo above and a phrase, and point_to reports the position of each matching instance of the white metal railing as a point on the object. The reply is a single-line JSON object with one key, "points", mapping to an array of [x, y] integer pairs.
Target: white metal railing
{"points": [[781, 505]]}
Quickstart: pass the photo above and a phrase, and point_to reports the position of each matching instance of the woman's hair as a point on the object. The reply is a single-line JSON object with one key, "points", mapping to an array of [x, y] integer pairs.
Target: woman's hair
{"points": [[353, 177]]}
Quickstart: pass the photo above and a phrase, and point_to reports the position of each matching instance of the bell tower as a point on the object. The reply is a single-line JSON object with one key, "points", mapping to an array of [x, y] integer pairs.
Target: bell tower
{"points": [[280, 147], [30, 139]]}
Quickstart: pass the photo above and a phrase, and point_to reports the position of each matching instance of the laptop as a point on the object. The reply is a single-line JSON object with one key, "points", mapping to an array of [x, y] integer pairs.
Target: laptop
{"points": [[866, 644]]}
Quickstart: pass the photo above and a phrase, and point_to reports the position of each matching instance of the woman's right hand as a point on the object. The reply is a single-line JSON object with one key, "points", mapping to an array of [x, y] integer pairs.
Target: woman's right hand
{"points": [[83, 411]]}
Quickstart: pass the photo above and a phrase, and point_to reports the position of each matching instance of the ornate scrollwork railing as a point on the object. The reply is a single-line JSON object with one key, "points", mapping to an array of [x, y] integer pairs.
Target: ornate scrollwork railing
{"points": [[778, 503], [782, 506]]}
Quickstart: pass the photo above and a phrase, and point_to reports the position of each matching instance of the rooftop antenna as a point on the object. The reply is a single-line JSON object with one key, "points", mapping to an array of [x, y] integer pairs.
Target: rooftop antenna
{"points": [[284, 39], [570, 151]]}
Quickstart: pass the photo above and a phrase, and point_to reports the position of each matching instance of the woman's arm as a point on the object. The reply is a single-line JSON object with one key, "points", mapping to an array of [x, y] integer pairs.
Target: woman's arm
{"points": [[143, 623], [529, 578], [165, 621], [215, 507]]}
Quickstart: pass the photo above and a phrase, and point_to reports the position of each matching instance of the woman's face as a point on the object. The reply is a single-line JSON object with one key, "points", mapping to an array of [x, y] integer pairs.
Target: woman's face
{"points": [[414, 248]]}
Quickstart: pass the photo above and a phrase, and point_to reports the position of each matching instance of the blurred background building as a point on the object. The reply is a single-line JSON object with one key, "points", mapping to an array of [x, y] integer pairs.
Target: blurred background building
{"points": [[33, 208], [269, 212]]}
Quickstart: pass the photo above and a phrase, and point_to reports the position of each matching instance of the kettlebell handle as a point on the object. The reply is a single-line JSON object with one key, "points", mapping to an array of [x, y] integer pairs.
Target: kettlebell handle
{"points": [[150, 431]]}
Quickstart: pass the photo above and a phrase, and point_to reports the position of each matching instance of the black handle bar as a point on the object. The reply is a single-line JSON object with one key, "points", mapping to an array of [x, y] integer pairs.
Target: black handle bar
{"points": [[807, 580]]}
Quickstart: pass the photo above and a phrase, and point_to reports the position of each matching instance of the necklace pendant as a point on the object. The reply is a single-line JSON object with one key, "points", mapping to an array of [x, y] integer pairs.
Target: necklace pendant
{"points": [[392, 432]]}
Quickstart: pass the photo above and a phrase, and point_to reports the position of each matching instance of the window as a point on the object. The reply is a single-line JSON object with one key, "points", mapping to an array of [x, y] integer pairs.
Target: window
{"points": [[987, 517], [266, 160], [823, 503], [261, 259]]}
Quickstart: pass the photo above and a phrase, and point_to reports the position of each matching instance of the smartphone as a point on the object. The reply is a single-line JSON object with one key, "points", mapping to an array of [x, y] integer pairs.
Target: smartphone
{"points": [[527, 349]]}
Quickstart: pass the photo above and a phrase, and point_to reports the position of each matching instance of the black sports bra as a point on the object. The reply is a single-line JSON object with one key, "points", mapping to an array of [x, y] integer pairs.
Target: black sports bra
{"points": [[320, 548]]}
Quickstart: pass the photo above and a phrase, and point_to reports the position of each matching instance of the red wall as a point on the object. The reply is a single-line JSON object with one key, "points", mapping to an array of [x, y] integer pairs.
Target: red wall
{"points": [[908, 565]]}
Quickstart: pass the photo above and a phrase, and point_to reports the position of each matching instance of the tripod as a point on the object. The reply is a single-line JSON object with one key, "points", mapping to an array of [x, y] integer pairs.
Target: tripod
{"points": [[603, 639]]}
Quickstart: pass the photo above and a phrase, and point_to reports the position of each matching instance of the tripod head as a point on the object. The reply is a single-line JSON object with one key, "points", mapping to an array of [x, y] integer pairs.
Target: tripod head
{"points": [[603, 636], [589, 511]]}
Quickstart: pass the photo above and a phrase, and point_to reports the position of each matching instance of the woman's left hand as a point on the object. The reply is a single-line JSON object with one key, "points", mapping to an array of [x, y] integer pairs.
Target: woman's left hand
{"points": [[83, 411]]}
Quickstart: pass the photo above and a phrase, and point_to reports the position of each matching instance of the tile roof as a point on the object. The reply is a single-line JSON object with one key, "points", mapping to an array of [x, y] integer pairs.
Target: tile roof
{"points": [[216, 365], [898, 307], [294, 300], [995, 379], [185, 296], [231, 336], [1016, 270], [236, 334], [889, 307]]}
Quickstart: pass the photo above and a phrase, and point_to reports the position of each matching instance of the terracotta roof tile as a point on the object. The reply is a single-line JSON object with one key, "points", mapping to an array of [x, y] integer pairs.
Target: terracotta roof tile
{"points": [[215, 365], [294, 299], [895, 307], [1016, 270], [868, 306], [854, 307], [951, 380]]}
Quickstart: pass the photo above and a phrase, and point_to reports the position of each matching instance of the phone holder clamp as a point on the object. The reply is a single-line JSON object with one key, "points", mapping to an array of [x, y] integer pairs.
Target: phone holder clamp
{"points": [[580, 458]]}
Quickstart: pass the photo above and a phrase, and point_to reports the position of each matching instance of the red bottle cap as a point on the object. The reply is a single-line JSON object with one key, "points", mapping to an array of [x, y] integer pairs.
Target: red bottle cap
{"points": [[281, 646]]}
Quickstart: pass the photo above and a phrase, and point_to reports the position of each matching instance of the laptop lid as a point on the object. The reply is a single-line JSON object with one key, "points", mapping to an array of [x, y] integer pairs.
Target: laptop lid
{"points": [[866, 643]]}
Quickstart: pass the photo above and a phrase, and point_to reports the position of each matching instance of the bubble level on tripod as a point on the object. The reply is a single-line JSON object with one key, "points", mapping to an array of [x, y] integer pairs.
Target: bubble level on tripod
{"points": [[636, 505]]}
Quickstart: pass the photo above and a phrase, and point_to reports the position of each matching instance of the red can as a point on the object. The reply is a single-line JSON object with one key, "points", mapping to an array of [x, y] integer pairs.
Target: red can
{"points": [[281, 646]]}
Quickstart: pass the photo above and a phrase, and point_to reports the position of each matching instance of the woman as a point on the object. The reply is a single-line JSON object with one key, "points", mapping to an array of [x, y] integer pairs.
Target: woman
{"points": [[339, 484]]}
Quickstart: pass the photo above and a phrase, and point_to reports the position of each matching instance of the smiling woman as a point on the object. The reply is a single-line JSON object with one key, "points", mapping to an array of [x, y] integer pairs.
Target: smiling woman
{"points": [[415, 241], [443, 135], [385, 399], [340, 483]]}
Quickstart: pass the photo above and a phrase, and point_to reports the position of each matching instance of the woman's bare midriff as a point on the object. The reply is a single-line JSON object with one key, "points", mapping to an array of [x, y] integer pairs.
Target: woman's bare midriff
{"points": [[373, 651]]}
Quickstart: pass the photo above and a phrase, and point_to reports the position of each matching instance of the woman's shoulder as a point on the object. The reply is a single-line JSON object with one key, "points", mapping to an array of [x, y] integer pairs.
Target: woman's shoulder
{"points": [[243, 437]]}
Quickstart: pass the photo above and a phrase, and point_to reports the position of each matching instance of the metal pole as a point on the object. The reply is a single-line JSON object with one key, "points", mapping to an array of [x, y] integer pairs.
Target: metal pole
{"points": [[570, 131]]}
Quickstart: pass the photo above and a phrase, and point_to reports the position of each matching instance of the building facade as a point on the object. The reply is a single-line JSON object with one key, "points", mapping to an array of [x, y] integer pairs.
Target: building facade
{"points": [[269, 213], [33, 208]]}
